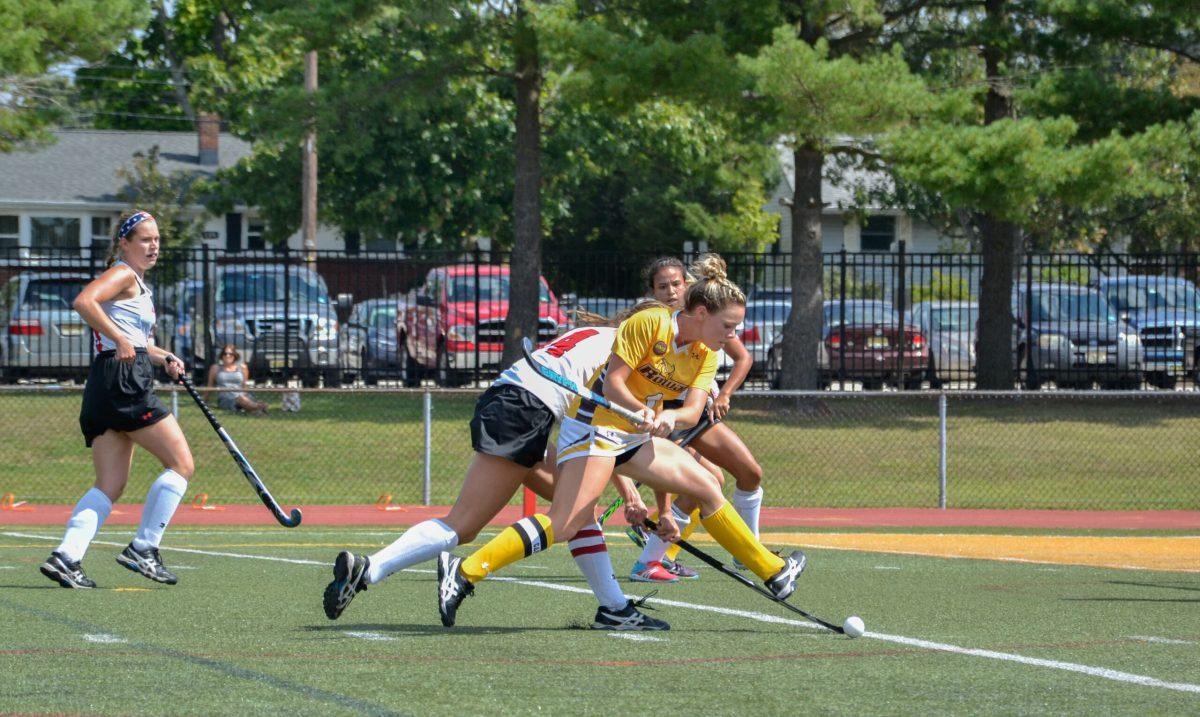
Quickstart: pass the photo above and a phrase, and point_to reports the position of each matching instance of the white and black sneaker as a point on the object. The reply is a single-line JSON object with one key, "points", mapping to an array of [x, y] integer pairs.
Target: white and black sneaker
{"points": [[453, 587], [349, 578], [783, 583], [627, 618], [65, 572], [148, 563]]}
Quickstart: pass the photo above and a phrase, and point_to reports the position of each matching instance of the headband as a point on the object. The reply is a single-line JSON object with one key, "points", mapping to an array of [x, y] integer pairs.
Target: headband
{"points": [[128, 225]]}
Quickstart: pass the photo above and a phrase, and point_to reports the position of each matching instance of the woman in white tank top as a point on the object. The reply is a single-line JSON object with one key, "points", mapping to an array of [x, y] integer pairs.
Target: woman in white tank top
{"points": [[120, 410]]}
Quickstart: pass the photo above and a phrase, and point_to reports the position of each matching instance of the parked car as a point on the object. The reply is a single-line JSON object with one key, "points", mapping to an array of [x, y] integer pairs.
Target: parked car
{"points": [[1073, 338], [42, 334], [764, 319], [177, 324], [864, 339], [443, 335], [772, 293], [280, 330], [1165, 312], [950, 328], [367, 340]]}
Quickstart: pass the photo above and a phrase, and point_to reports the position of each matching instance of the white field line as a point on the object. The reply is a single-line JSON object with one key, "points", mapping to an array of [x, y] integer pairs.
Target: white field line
{"points": [[105, 639], [368, 636], [636, 637], [1101, 672], [1162, 640]]}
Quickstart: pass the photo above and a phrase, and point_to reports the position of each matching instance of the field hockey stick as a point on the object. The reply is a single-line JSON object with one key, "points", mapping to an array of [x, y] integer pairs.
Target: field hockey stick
{"points": [[557, 378], [247, 469], [714, 563]]}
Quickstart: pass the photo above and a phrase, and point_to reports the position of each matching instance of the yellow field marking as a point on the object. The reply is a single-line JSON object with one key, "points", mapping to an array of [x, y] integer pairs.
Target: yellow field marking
{"points": [[1169, 553], [131, 590]]}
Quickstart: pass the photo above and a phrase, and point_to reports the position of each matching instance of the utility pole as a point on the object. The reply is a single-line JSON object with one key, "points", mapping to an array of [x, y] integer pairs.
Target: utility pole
{"points": [[309, 190]]}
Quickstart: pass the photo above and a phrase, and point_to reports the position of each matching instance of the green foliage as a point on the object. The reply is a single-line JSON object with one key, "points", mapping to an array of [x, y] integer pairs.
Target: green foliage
{"points": [[819, 99], [172, 199], [942, 287], [37, 36], [1066, 274]]}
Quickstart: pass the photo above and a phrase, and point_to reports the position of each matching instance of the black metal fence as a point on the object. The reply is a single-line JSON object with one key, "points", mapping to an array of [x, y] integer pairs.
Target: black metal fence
{"points": [[889, 319]]}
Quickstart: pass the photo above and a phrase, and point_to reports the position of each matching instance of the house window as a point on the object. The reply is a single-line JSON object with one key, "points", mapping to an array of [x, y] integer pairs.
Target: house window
{"points": [[54, 236], [9, 233], [878, 234], [254, 236]]}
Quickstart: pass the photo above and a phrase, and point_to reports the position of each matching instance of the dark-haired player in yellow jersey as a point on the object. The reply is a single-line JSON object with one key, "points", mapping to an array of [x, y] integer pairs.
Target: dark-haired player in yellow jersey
{"points": [[657, 355]]}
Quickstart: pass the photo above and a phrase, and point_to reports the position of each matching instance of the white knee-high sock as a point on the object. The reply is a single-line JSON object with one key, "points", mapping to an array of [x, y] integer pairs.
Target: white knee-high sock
{"points": [[161, 501], [90, 513], [747, 503], [656, 548], [419, 543], [591, 555]]}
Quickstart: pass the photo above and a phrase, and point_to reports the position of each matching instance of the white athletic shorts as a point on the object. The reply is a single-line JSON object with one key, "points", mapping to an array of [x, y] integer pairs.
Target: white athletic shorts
{"points": [[580, 440]]}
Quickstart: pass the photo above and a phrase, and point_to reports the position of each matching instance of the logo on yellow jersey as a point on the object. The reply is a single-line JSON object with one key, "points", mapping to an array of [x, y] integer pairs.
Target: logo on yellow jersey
{"points": [[660, 348]]}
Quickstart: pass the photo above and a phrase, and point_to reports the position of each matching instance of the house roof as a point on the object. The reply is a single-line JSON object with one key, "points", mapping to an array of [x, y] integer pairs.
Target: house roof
{"points": [[80, 168]]}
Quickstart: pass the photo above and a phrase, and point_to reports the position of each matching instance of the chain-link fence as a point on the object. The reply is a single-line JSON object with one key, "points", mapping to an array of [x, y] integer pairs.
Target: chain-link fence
{"points": [[1069, 450], [438, 318]]}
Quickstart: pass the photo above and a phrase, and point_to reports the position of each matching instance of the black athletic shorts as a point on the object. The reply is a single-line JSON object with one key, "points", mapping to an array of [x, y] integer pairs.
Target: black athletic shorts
{"points": [[684, 436], [120, 396], [511, 423]]}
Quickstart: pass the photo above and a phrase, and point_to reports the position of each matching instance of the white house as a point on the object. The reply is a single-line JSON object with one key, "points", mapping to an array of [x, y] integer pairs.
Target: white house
{"points": [[59, 199], [885, 228]]}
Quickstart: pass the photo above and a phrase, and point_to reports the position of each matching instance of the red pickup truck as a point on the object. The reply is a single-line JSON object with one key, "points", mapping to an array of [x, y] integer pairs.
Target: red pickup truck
{"points": [[441, 335]]}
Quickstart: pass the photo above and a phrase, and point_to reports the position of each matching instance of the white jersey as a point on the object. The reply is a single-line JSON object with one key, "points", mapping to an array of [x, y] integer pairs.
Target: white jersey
{"points": [[577, 354], [134, 317]]}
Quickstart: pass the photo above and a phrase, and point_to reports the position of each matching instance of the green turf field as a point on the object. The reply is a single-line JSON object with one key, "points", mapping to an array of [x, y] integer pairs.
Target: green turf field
{"points": [[882, 451], [243, 633]]}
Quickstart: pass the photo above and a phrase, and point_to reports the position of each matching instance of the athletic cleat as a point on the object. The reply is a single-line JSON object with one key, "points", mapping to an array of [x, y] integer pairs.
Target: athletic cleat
{"points": [[147, 562], [65, 572], [679, 570], [653, 572], [349, 578], [783, 583], [637, 534], [453, 587], [627, 618]]}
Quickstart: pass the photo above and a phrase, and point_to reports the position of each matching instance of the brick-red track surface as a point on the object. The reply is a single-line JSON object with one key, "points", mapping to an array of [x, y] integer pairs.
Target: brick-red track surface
{"points": [[330, 515]]}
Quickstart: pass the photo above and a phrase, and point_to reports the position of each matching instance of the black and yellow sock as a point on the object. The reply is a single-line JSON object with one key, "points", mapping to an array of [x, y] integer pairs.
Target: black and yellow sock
{"points": [[519, 540], [728, 529], [684, 534]]}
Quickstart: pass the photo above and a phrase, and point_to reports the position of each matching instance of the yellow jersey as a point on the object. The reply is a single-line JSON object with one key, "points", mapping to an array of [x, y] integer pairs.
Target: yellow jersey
{"points": [[662, 370]]}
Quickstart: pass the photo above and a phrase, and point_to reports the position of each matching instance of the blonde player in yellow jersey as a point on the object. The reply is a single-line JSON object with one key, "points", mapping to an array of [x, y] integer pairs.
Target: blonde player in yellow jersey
{"points": [[657, 355]]}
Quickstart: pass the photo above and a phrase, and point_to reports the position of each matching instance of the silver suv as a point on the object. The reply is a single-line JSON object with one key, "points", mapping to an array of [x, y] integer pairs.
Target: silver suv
{"points": [[292, 332], [41, 334]]}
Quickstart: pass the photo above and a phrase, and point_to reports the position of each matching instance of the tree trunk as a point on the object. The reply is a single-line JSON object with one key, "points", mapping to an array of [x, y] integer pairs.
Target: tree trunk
{"points": [[526, 262], [802, 333], [994, 365]]}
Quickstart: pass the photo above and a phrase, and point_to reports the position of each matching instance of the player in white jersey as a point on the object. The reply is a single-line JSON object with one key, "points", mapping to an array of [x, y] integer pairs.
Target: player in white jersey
{"points": [[120, 410], [509, 432]]}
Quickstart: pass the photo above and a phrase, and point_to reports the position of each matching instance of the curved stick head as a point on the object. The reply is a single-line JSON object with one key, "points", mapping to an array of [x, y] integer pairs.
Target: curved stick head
{"points": [[291, 522]]}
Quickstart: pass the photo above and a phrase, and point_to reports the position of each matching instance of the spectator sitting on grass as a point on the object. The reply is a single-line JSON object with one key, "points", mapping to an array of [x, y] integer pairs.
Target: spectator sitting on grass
{"points": [[231, 373]]}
